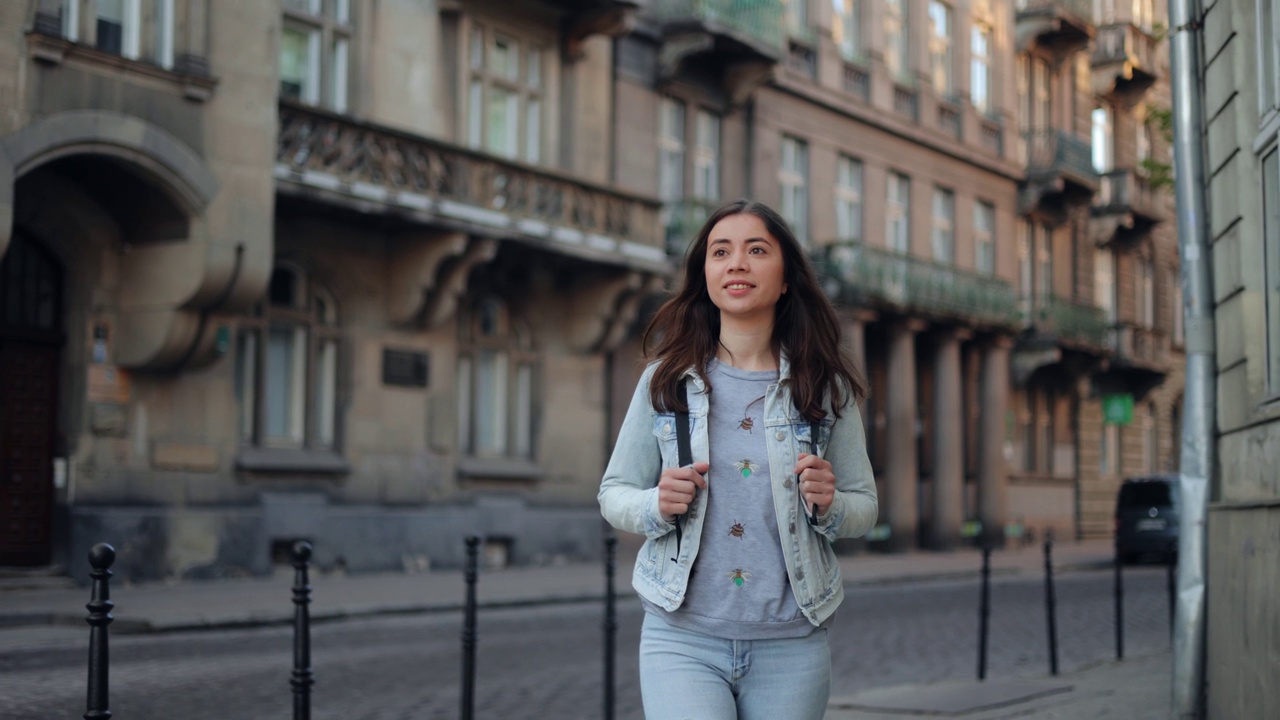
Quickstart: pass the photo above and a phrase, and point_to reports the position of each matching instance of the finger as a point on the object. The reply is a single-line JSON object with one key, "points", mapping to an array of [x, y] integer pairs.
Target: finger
{"points": [[694, 475]]}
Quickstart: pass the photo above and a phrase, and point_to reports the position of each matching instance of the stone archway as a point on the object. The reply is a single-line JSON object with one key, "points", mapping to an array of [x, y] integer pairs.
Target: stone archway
{"points": [[167, 287]]}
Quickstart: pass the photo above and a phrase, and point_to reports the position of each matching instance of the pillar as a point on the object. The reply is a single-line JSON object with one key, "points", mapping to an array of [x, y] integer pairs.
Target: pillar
{"points": [[948, 443], [901, 466], [992, 473]]}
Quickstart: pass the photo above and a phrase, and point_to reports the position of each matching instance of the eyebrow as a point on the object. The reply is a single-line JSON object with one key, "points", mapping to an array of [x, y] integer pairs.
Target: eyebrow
{"points": [[719, 241]]}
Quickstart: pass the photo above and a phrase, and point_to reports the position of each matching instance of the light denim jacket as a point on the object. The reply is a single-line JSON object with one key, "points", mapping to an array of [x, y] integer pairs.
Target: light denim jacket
{"points": [[646, 445]]}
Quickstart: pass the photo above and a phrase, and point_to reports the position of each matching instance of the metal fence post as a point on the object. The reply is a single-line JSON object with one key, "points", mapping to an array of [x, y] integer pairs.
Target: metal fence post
{"points": [[101, 556], [469, 633], [984, 612], [303, 678], [1050, 605], [610, 623]]}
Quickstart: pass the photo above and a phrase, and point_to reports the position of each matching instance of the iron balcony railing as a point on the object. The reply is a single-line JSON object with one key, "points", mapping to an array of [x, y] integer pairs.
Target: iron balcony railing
{"points": [[864, 275], [764, 21], [1078, 9], [1125, 191], [1070, 321], [333, 150], [1052, 153]]}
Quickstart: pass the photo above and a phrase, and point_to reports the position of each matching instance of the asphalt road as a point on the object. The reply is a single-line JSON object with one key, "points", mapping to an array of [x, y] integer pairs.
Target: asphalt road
{"points": [[546, 662]]}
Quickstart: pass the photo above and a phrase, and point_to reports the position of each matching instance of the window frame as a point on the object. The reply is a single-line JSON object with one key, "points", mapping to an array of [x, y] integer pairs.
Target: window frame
{"points": [[672, 148], [943, 229], [526, 91], [980, 29], [846, 27], [793, 182], [897, 38], [321, 336], [849, 191], [706, 156], [984, 237], [330, 35], [941, 52], [898, 213], [511, 342]]}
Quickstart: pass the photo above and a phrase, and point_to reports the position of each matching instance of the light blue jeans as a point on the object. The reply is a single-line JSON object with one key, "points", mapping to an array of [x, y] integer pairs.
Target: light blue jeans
{"points": [[689, 676]]}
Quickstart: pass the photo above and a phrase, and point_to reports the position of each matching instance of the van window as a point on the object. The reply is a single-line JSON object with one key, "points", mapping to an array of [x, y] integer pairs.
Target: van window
{"points": [[1145, 494]]}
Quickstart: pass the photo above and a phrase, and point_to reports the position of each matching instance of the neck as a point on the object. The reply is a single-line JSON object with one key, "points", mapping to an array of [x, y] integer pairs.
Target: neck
{"points": [[746, 346]]}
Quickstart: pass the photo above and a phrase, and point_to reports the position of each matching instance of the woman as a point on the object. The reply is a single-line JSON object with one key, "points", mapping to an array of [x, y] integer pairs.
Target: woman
{"points": [[737, 574]]}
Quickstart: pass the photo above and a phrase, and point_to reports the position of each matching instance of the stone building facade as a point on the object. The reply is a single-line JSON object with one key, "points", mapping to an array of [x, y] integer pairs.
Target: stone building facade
{"points": [[373, 274], [1241, 112]]}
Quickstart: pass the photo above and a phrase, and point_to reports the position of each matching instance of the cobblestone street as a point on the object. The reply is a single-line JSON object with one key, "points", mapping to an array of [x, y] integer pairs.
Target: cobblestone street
{"points": [[546, 662]]}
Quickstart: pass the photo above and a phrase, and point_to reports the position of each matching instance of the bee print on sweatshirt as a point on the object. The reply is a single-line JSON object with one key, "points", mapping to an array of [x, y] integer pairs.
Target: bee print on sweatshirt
{"points": [[738, 576], [746, 467]]}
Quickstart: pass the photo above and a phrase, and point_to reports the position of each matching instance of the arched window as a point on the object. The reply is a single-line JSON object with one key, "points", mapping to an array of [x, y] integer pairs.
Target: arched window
{"points": [[496, 383], [287, 369]]}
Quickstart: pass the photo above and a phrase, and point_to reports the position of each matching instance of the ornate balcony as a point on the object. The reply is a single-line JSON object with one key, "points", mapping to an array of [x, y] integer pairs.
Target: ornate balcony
{"points": [[1127, 207], [1124, 62], [1070, 335], [866, 276], [1141, 359], [336, 160], [1060, 26], [745, 39], [1060, 173]]}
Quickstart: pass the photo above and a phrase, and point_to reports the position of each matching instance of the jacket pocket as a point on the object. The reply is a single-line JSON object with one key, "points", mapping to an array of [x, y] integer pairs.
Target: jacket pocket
{"points": [[664, 429]]}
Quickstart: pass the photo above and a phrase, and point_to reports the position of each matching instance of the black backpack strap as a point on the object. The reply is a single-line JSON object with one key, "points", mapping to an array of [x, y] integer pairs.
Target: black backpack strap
{"points": [[683, 449], [813, 450]]}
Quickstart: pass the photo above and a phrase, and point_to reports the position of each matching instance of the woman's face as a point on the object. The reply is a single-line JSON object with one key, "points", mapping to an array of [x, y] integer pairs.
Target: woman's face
{"points": [[744, 268]]}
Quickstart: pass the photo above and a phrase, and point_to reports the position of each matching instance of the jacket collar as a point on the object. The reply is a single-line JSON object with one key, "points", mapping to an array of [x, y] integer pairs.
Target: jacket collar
{"points": [[784, 372]]}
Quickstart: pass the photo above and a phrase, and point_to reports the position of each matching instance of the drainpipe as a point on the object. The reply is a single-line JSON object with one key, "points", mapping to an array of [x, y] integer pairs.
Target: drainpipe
{"points": [[1199, 399]]}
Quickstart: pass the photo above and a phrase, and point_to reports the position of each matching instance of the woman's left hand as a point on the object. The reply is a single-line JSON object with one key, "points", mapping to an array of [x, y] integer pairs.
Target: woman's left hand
{"points": [[817, 482]]}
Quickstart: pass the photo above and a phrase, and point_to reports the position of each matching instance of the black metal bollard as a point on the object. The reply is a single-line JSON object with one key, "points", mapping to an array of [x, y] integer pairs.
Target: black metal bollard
{"points": [[610, 623], [1050, 606], [469, 633], [101, 556], [1119, 608], [303, 678], [984, 612]]}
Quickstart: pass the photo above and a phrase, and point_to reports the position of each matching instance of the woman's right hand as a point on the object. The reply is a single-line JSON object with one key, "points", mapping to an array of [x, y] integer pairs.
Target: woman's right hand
{"points": [[676, 488]]}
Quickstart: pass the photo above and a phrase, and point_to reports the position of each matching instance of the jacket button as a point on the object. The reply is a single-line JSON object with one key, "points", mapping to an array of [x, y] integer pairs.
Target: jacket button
{"points": [[666, 428], [780, 435], [799, 574], [792, 528], [787, 483]]}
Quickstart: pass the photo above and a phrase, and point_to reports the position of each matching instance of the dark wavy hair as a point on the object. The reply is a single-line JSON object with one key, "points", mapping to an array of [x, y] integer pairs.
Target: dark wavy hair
{"points": [[685, 331]]}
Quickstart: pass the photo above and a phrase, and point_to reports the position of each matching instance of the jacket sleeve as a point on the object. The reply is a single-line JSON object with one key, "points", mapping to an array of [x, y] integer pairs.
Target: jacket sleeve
{"points": [[628, 493], [855, 508]]}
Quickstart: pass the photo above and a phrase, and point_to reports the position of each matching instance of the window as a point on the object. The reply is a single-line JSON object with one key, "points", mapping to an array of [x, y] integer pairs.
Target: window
{"points": [[1041, 99], [670, 150], [984, 237], [898, 214], [848, 199], [496, 378], [314, 48], [1101, 139], [706, 156], [940, 47], [897, 55], [793, 176], [1104, 282], [1142, 141], [980, 68], [846, 28], [944, 226], [1146, 293], [1150, 438], [69, 10], [1044, 261], [1271, 242], [117, 28], [1044, 431], [1143, 14], [287, 366], [505, 101]]}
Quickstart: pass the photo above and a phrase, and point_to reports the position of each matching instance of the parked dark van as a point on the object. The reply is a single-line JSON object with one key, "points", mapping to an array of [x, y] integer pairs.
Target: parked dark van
{"points": [[1147, 518]]}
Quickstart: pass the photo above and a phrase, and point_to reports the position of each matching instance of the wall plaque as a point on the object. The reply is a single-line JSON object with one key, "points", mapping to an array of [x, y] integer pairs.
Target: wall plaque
{"points": [[404, 368]]}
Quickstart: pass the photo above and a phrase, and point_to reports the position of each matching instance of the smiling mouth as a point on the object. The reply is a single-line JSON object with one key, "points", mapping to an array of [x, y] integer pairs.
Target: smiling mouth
{"points": [[738, 286]]}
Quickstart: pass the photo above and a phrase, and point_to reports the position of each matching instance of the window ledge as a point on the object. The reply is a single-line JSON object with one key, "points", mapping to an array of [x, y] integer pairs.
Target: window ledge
{"points": [[499, 469], [291, 460], [196, 85]]}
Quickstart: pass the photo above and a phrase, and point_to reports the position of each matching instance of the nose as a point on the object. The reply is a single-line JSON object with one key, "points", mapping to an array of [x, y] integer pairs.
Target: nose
{"points": [[738, 260]]}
